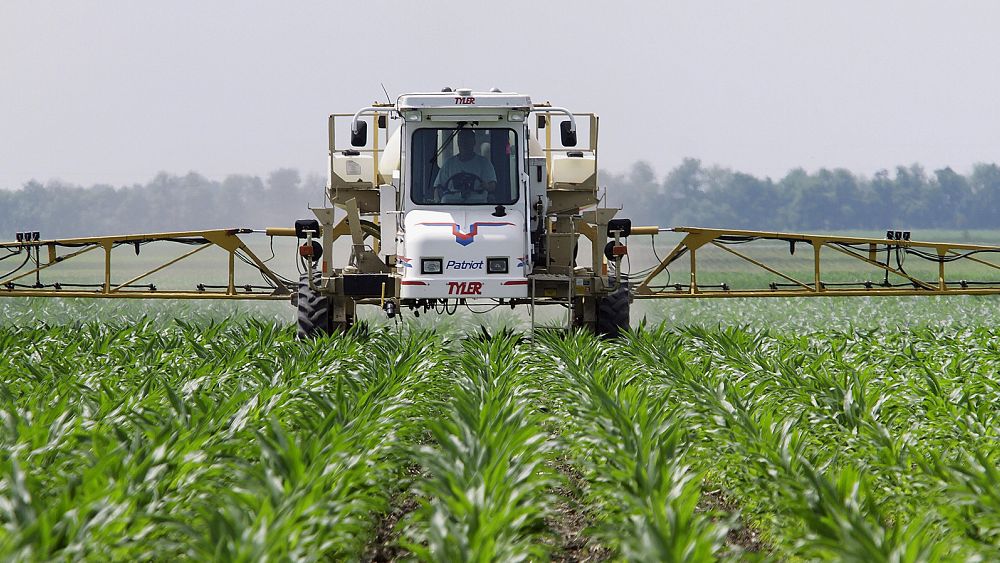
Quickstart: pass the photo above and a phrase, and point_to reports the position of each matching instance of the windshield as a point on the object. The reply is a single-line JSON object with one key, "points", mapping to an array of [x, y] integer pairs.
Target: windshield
{"points": [[464, 166]]}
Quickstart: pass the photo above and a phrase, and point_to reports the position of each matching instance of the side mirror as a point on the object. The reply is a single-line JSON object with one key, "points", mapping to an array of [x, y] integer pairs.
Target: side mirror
{"points": [[567, 136], [359, 136]]}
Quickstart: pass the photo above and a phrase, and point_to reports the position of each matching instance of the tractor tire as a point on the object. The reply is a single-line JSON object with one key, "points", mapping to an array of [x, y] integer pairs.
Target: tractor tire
{"points": [[613, 312], [313, 310]]}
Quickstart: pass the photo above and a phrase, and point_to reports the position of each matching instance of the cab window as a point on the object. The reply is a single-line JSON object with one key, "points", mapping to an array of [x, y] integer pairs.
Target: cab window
{"points": [[464, 166]]}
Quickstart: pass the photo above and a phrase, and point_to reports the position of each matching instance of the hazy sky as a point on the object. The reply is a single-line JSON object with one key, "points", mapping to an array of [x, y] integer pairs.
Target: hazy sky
{"points": [[115, 91]]}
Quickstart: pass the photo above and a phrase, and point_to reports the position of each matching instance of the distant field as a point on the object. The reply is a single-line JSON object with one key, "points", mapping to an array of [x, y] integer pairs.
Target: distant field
{"points": [[209, 266], [716, 266]]}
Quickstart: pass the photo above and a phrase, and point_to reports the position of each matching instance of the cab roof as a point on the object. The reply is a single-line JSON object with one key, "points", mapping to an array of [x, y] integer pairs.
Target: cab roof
{"points": [[463, 98]]}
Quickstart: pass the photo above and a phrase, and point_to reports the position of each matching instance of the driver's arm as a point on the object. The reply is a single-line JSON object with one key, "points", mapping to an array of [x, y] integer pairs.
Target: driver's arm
{"points": [[489, 176], [437, 189]]}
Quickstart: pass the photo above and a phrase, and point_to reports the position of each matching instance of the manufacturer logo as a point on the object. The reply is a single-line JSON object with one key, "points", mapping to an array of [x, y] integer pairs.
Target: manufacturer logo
{"points": [[522, 261], [464, 265], [464, 100], [404, 262], [465, 239], [465, 288]]}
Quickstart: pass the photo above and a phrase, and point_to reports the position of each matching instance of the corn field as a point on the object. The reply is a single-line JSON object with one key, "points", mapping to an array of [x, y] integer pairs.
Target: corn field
{"points": [[155, 439]]}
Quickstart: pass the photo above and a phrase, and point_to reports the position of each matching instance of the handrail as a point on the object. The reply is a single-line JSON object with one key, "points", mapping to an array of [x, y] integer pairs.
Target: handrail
{"points": [[373, 110], [556, 109]]}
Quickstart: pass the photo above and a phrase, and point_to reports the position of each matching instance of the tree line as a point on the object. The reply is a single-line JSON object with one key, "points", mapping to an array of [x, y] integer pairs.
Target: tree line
{"points": [[691, 194], [166, 203], [909, 197]]}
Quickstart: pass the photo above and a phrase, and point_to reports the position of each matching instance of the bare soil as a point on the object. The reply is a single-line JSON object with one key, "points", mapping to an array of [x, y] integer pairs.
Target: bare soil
{"points": [[570, 520], [567, 523], [742, 536], [384, 546]]}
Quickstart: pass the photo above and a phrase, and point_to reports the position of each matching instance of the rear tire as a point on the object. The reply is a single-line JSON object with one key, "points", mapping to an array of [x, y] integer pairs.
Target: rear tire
{"points": [[313, 309], [613, 312]]}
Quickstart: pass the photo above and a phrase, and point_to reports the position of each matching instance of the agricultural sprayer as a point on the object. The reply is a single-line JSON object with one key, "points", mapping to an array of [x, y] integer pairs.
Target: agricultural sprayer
{"points": [[458, 197]]}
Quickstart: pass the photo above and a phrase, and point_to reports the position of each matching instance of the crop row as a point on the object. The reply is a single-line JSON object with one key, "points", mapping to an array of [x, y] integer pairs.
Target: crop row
{"points": [[865, 446], [208, 443], [631, 445], [232, 440]]}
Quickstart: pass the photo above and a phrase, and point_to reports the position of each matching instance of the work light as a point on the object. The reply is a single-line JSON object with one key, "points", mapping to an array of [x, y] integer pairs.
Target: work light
{"points": [[430, 266], [496, 265]]}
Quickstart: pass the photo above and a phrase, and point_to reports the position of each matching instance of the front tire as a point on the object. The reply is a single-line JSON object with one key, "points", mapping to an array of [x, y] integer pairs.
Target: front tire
{"points": [[313, 309], [613, 312]]}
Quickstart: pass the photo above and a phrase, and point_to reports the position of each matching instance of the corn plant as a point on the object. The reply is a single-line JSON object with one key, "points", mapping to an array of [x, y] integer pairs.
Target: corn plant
{"points": [[632, 446], [487, 487]]}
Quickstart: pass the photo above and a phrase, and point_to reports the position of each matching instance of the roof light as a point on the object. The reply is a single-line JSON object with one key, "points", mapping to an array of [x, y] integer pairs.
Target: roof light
{"points": [[515, 116]]}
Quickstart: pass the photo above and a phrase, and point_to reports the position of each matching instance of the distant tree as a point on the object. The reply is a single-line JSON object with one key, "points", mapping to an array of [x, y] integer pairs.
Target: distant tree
{"points": [[682, 193], [985, 185], [810, 200], [920, 202], [955, 194], [284, 180], [752, 203], [882, 201]]}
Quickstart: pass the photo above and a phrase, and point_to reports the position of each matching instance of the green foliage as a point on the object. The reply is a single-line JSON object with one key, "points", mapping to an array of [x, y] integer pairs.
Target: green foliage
{"points": [[137, 438], [210, 442], [486, 491], [165, 203], [631, 446], [821, 436]]}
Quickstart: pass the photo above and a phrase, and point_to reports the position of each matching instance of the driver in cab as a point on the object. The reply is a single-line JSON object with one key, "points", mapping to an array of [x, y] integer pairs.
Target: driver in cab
{"points": [[466, 177]]}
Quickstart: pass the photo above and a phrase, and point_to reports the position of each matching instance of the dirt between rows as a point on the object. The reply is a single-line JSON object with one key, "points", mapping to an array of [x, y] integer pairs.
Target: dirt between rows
{"points": [[567, 524], [385, 544], [571, 519], [743, 536]]}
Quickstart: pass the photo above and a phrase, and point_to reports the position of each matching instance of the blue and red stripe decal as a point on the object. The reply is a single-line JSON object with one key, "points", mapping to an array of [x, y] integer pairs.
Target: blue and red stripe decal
{"points": [[465, 239]]}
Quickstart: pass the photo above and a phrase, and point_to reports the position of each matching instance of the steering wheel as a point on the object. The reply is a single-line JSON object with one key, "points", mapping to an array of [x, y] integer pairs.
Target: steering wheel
{"points": [[464, 182]]}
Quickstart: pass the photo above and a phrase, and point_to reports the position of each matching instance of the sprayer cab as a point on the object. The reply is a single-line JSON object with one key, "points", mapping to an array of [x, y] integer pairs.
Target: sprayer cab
{"points": [[464, 196]]}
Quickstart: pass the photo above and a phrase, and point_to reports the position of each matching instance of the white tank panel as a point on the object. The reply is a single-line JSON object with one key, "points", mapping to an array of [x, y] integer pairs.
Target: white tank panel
{"points": [[353, 168], [388, 161], [573, 169]]}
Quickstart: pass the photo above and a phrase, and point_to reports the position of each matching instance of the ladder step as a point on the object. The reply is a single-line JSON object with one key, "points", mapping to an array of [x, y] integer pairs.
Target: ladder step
{"points": [[564, 300]]}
